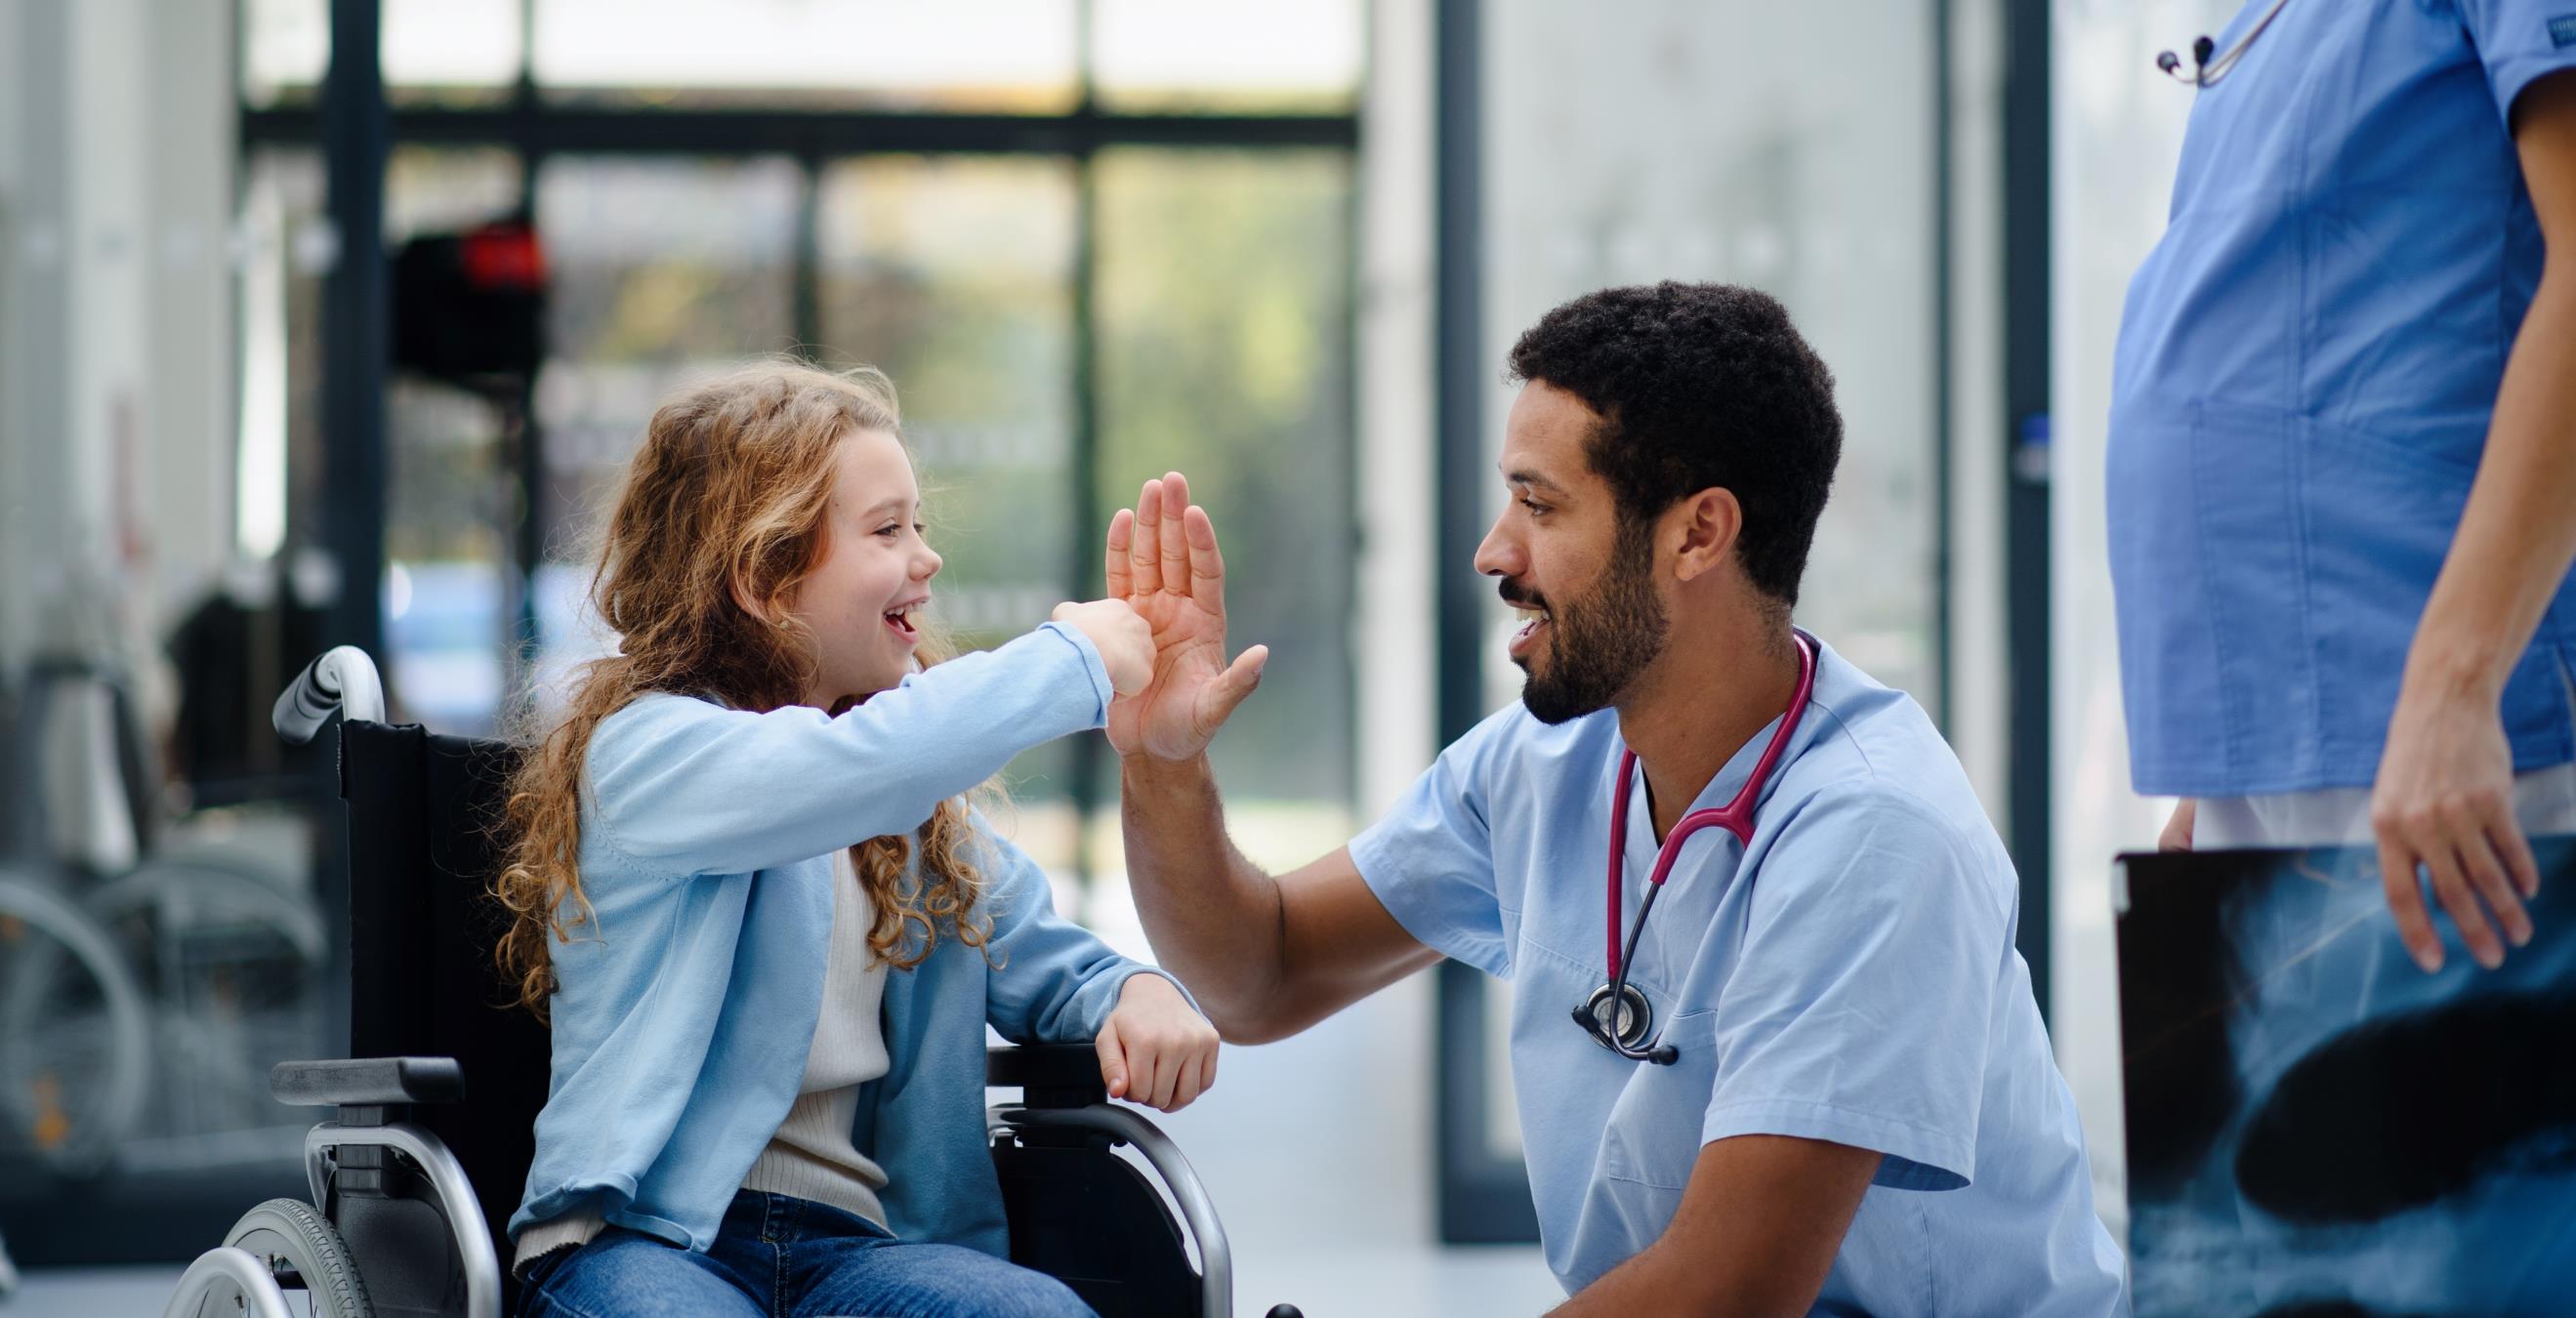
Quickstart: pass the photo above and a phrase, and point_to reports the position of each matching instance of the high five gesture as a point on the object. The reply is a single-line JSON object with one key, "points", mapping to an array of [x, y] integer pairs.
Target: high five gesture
{"points": [[1163, 561]]}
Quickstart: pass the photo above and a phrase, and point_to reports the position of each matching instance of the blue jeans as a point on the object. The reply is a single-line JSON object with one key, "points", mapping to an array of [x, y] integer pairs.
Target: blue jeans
{"points": [[777, 1256]]}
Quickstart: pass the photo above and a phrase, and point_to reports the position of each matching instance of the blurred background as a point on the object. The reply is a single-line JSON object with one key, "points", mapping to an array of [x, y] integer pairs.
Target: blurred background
{"points": [[333, 321]]}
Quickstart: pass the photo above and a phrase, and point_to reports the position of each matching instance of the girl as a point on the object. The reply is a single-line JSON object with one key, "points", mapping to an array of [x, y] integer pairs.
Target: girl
{"points": [[768, 930]]}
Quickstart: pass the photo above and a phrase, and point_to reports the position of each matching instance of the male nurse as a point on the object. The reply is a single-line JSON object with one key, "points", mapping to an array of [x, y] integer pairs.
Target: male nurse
{"points": [[1825, 1086], [2342, 465]]}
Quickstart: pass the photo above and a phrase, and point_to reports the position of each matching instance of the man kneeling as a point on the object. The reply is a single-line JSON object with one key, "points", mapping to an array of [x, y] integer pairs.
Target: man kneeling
{"points": [[1815, 1078]]}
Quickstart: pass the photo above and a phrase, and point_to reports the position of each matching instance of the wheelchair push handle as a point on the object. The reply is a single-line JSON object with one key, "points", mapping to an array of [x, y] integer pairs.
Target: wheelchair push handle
{"points": [[344, 680]]}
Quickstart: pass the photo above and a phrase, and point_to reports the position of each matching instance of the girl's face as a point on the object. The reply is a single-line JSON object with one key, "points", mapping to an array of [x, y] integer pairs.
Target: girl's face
{"points": [[863, 602]]}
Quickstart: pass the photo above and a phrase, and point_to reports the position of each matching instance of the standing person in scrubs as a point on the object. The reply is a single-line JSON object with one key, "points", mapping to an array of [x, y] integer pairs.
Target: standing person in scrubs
{"points": [[1839, 1097], [2342, 461]]}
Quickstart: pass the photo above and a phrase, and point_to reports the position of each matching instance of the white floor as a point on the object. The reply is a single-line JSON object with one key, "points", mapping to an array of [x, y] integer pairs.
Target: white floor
{"points": [[1317, 1152]]}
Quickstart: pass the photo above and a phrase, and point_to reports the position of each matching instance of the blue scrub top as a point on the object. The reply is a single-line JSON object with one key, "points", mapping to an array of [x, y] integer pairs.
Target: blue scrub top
{"points": [[2305, 372], [1849, 977]]}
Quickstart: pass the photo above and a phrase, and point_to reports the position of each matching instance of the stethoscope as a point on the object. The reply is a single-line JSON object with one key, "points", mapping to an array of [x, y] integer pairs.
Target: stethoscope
{"points": [[2205, 72], [1630, 1033]]}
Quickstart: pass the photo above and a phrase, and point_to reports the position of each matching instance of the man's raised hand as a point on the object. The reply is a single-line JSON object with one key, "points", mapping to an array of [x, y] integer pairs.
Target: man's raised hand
{"points": [[1163, 561]]}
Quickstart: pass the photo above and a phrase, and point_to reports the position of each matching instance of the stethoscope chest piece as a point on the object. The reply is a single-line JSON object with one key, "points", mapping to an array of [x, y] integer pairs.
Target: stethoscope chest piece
{"points": [[1627, 1017]]}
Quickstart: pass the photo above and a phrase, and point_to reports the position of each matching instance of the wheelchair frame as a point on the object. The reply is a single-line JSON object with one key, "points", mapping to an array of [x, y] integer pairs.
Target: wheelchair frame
{"points": [[1062, 1109]]}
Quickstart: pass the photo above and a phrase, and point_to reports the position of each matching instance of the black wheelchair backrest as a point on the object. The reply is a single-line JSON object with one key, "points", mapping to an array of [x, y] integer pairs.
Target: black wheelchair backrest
{"points": [[423, 810]]}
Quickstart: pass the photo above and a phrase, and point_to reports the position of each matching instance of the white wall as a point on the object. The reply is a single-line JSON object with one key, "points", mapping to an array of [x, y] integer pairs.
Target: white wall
{"points": [[1979, 718], [116, 151], [1787, 147], [2119, 127], [1396, 422]]}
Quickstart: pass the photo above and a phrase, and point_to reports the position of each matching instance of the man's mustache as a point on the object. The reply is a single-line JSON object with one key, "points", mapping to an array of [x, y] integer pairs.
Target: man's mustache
{"points": [[1519, 599]]}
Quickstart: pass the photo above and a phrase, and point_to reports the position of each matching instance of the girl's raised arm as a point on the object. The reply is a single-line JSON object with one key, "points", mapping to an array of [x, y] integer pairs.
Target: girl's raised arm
{"points": [[693, 788]]}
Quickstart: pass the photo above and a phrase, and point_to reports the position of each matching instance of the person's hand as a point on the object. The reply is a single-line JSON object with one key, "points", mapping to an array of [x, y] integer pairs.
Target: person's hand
{"points": [[2444, 800], [1125, 641], [1155, 1050], [1163, 560], [2177, 832]]}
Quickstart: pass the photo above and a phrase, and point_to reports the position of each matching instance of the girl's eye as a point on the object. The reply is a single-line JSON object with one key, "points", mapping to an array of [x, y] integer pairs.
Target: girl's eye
{"points": [[890, 532]]}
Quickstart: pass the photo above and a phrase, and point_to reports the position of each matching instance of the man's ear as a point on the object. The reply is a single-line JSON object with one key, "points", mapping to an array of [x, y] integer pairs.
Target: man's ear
{"points": [[1706, 525]]}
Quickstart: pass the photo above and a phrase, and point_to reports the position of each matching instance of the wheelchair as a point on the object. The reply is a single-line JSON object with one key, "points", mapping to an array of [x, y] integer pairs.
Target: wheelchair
{"points": [[412, 1183]]}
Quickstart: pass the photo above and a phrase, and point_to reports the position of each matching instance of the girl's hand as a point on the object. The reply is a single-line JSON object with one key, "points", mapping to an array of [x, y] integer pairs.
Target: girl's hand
{"points": [[1125, 641], [1155, 1050]]}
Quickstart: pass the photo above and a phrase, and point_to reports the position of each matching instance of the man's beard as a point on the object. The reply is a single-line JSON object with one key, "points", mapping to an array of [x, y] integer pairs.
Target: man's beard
{"points": [[1596, 647]]}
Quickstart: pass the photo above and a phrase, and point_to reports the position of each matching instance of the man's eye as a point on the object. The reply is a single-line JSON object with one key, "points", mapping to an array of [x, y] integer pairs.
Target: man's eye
{"points": [[1535, 507]]}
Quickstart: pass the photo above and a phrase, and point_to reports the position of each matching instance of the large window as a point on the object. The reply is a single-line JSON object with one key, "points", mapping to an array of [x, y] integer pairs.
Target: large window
{"points": [[1084, 256], [1091, 240]]}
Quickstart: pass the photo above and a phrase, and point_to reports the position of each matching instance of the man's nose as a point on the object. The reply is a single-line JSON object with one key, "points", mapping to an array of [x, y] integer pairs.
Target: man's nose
{"points": [[1499, 555]]}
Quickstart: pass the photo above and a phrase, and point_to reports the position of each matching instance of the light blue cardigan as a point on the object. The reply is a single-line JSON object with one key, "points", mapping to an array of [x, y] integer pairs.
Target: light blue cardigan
{"points": [[682, 1019]]}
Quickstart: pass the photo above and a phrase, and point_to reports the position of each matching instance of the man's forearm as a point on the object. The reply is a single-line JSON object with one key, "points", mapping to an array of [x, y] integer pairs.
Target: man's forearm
{"points": [[2518, 532], [1755, 1236], [1213, 917]]}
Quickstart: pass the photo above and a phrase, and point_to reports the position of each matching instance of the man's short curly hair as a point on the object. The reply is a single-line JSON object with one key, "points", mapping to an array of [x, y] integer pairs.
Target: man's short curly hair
{"points": [[1700, 385]]}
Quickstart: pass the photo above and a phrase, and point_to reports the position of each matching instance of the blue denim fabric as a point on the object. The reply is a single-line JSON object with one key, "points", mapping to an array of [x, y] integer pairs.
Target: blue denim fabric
{"points": [[777, 1256]]}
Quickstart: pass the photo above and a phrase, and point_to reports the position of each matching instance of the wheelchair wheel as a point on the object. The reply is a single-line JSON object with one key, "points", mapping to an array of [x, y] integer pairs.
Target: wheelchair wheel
{"points": [[302, 1249], [75, 1038], [233, 964]]}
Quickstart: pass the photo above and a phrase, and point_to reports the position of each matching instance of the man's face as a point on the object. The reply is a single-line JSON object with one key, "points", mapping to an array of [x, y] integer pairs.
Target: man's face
{"points": [[1585, 579]]}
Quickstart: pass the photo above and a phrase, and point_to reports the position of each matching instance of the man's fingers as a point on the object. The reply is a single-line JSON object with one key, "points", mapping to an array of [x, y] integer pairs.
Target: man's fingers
{"points": [[1122, 535], [2451, 886], [1113, 1059], [1207, 566], [1238, 681], [1176, 546], [1145, 553], [2406, 902]]}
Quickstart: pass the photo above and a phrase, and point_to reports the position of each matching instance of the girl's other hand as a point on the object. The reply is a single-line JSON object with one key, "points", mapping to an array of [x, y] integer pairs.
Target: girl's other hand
{"points": [[1125, 641], [1155, 1050]]}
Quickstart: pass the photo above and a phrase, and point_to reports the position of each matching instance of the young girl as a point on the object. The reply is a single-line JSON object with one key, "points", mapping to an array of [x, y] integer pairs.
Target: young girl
{"points": [[766, 928]]}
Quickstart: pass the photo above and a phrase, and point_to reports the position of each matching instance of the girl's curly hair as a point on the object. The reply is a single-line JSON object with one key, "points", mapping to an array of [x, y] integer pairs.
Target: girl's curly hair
{"points": [[725, 500]]}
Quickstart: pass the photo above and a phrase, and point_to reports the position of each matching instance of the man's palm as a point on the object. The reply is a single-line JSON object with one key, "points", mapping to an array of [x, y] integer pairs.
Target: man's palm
{"points": [[1163, 561]]}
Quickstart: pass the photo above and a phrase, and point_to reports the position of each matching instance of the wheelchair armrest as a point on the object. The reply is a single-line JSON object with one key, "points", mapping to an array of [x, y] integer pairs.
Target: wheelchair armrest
{"points": [[1180, 1181], [367, 1082], [1048, 1075]]}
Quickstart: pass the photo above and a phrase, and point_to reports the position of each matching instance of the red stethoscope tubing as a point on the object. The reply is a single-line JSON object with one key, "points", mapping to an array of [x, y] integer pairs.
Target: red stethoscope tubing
{"points": [[1736, 816]]}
